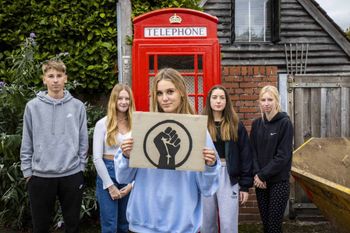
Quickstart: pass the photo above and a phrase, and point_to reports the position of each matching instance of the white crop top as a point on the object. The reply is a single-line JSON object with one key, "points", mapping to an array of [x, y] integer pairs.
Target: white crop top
{"points": [[100, 147]]}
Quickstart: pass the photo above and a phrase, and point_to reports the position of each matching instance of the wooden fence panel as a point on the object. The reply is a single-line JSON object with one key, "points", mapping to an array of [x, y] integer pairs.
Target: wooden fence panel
{"points": [[319, 107]]}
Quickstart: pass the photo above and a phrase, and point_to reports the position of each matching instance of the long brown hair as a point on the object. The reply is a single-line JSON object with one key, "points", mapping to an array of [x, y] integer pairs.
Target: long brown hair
{"points": [[230, 119], [176, 78], [112, 116]]}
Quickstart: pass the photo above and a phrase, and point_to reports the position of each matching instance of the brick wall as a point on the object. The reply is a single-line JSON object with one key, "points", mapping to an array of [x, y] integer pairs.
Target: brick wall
{"points": [[244, 83]]}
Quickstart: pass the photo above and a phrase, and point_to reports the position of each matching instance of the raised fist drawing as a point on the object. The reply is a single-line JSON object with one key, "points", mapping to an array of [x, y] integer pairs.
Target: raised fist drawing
{"points": [[168, 144]]}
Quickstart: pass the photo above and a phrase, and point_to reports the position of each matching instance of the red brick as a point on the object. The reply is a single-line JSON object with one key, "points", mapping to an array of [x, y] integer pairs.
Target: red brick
{"points": [[225, 70], [238, 78], [271, 70], [252, 115], [251, 70], [262, 84], [248, 84], [232, 85], [234, 97], [244, 70], [257, 91], [248, 91], [272, 78], [239, 91], [228, 78], [248, 103], [249, 97], [262, 70], [249, 109], [247, 79], [236, 103], [232, 70], [257, 78], [256, 70]]}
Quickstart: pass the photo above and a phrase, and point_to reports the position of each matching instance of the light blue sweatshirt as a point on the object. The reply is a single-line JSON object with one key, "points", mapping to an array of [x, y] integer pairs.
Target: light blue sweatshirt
{"points": [[55, 137], [166, 200]]}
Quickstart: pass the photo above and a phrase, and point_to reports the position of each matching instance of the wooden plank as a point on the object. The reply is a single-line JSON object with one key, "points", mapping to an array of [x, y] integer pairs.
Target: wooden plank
{"points": [[298, 116], [334, 112], [313, 33], [285, 12], [217, 6], [323, 112], [276, 48], [315, 112], [290, 19], [302, 27], [306, 104], [345, 112]]}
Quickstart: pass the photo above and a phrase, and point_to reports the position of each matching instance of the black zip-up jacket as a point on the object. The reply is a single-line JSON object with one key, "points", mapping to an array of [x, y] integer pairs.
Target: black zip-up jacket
{"points": [[239, 160], [272, 143]]}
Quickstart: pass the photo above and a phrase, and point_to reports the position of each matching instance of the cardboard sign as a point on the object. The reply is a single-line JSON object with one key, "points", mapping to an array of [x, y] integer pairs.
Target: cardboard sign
{"points": [[168, 141]]}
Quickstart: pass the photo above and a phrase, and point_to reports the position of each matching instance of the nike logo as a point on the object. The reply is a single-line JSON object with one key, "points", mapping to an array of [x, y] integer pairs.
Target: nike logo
{"points": [[272, 134]]}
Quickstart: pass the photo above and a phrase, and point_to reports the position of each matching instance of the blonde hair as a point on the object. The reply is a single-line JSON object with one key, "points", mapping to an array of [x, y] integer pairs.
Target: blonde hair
{"points": [[176, 78], [275, 94], [112, 116], [53, 64], [230, 119]]}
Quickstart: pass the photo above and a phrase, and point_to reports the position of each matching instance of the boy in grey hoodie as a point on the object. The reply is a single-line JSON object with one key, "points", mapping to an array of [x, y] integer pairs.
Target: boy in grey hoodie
{"points": [[54, 150]]}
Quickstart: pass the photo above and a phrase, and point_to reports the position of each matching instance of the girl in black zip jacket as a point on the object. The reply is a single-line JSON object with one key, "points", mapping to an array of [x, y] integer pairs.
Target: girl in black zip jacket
{"points": [[236, 177], [271, 137]]}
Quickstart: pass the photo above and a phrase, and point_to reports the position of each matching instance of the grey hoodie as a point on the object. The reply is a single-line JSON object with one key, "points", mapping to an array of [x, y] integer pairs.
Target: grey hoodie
{"points": [[55, 137]]}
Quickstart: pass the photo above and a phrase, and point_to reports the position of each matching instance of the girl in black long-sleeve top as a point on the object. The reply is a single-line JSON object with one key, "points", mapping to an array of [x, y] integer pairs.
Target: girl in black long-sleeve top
{"points": [[236, 176], [272, 141]]}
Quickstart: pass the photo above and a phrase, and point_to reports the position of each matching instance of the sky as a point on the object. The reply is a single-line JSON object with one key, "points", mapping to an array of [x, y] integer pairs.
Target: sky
{"points": [[338, 10]]}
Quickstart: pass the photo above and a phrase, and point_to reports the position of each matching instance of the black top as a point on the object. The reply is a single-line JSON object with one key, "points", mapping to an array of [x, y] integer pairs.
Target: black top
{"points": [[239, 160], [272, 143], [219, 143]]}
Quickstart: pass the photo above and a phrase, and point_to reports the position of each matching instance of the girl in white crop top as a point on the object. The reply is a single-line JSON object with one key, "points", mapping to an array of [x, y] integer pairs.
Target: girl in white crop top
{"points": [[109, 133]]}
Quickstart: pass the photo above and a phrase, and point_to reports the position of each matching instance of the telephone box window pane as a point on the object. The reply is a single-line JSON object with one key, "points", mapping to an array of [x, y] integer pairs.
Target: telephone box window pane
{"points": [[200, 85], [191, 101], [180, 63], [151, 64], [200, 105], [200, 63], [189, 81]]}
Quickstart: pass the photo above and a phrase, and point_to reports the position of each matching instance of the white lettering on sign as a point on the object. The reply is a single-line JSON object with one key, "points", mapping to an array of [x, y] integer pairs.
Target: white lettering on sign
{"points": [[175, 31]]}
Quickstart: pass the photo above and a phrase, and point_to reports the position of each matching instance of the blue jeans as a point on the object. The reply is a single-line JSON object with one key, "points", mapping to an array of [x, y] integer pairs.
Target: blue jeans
{"points": [[112, 212]]}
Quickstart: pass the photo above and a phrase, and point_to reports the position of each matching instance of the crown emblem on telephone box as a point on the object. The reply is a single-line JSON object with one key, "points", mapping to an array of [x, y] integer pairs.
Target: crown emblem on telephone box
{"points": [[175, 19]]}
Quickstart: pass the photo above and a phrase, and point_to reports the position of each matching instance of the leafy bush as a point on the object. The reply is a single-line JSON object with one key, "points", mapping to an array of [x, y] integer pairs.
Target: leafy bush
{"points": [[85, 29], [140, 6]]}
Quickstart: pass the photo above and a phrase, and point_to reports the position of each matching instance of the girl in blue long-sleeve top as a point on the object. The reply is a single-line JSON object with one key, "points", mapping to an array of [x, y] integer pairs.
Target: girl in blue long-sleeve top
{"points": [[167, 200]]}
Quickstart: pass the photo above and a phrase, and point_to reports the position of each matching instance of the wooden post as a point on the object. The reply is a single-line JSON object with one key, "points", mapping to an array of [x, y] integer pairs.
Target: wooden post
{"points": [[124, 47]]}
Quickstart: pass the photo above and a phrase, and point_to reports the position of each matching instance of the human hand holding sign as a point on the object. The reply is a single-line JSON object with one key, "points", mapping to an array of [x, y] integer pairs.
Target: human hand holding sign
{"points": [[168, 144]]}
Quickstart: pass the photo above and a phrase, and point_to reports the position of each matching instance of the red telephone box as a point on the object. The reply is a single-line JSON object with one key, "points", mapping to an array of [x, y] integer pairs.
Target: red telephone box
{"points": [[183, 39]]}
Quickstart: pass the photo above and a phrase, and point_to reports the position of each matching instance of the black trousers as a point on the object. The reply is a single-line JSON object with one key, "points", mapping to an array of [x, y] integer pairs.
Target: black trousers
{"points": [[272, 203], [42, 196]]}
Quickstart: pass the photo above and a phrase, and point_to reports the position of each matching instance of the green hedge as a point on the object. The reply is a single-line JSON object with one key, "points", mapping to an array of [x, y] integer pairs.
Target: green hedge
{"points": [[85, 29]]}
